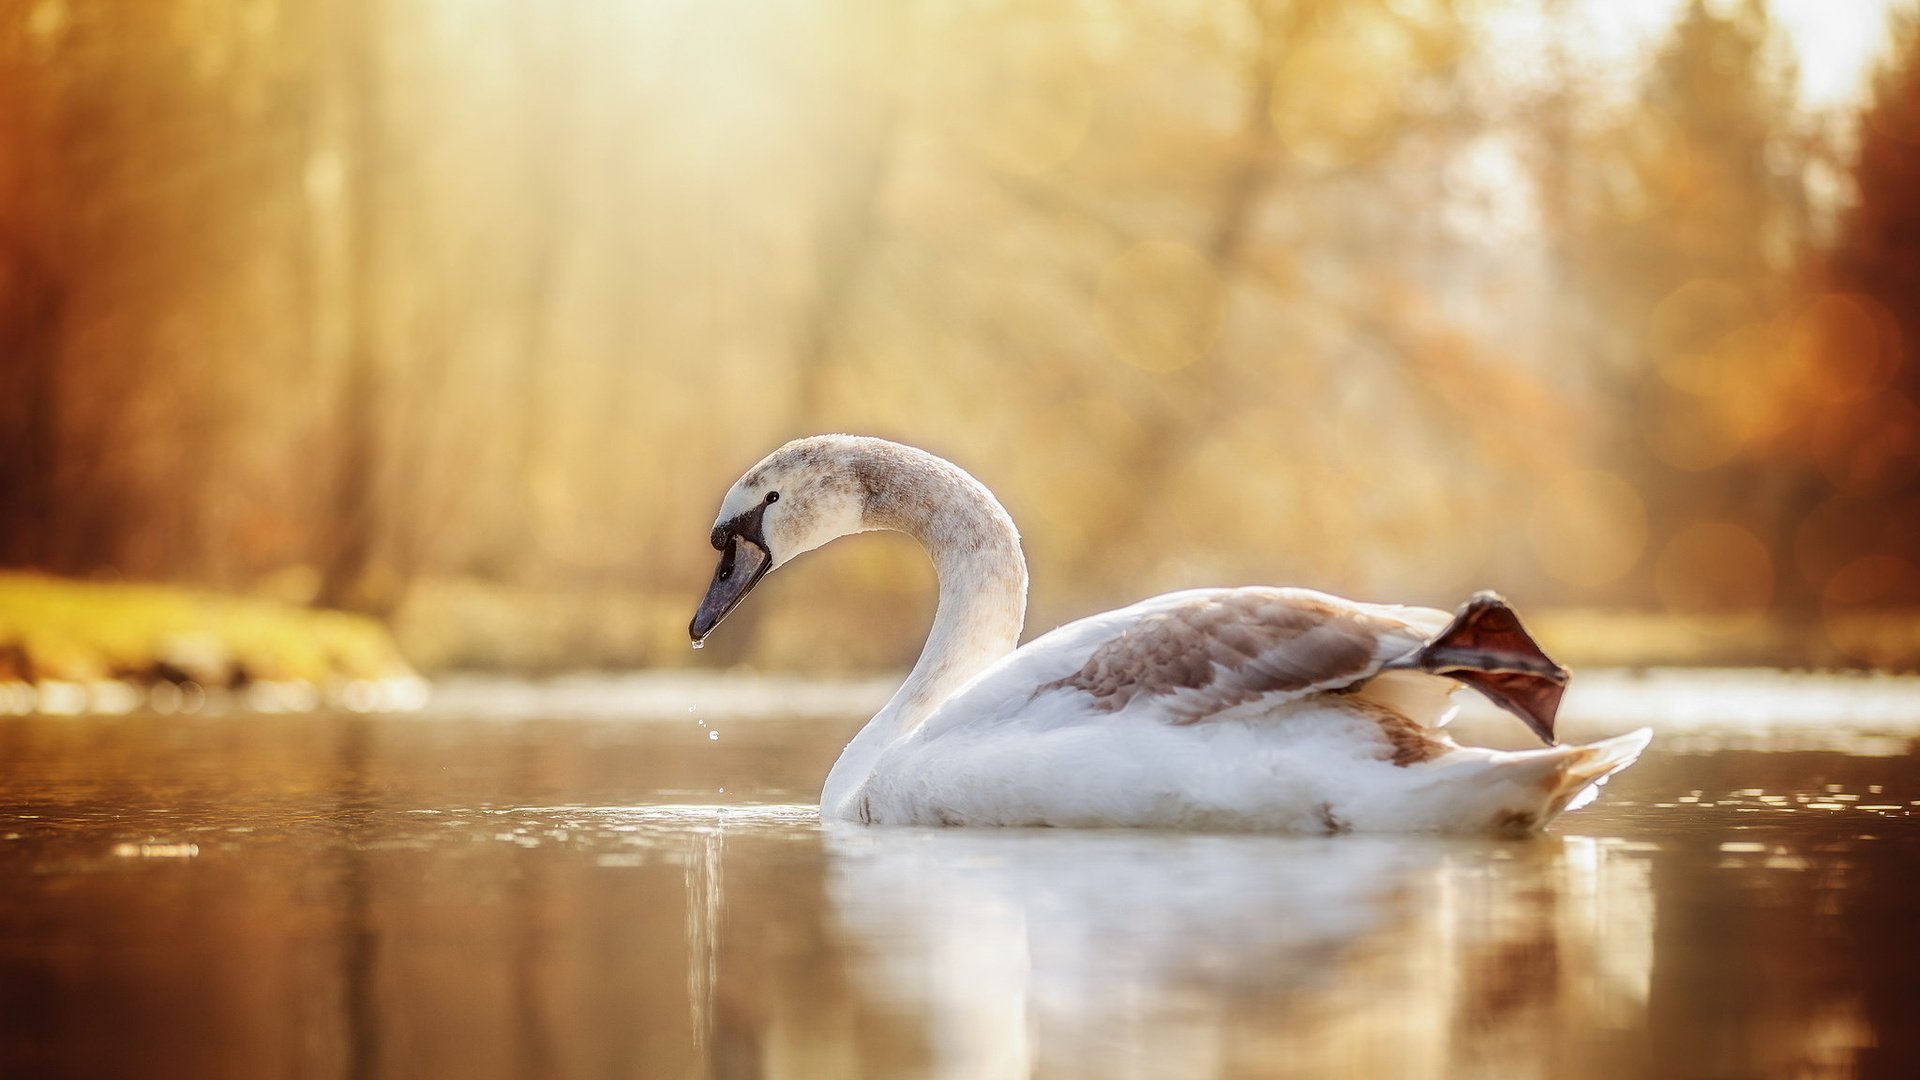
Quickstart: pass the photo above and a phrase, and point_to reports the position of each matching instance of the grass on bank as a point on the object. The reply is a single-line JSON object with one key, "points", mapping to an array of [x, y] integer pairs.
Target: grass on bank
{"points": [[58, 630]]}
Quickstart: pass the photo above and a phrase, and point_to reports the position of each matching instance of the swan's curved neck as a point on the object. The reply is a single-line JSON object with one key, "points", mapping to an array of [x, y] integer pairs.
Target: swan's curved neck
{"points": [[983, 591]]}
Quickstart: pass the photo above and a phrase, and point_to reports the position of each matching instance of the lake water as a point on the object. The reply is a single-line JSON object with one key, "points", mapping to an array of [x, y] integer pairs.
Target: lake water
{"points": [[626, 877]]}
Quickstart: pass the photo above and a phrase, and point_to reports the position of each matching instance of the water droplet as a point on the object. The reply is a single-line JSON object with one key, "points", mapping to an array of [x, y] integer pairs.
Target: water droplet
{"points": [[712, 735], [699, 643]]}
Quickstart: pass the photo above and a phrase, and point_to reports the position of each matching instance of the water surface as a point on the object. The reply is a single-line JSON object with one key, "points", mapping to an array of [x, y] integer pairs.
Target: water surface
{"points": [[628, 879]]}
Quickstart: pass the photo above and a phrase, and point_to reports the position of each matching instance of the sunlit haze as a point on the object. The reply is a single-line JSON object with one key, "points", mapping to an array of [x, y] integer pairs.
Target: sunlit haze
{"points": [[464, 315]]}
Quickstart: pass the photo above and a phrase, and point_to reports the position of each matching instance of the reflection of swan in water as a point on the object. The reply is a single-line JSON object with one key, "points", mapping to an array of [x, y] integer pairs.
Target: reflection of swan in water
{"points": [[1107, 954], [1113, 953]]}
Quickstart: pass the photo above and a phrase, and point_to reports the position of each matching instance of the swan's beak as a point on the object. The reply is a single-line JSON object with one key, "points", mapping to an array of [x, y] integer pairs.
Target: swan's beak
{"points": [[742, 564]]}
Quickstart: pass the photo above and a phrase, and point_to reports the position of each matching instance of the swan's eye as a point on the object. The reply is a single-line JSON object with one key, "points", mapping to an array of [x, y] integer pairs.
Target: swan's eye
{"points": [[773, 496]]}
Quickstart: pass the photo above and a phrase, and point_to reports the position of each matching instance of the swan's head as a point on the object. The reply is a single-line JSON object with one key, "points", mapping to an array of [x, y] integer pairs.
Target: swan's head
{"points": [[802, 495]]}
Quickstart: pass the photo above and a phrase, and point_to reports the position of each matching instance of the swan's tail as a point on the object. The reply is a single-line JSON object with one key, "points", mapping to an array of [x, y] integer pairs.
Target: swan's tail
{"points": [[1486, 647], [1516, 792], [1561, 779]]}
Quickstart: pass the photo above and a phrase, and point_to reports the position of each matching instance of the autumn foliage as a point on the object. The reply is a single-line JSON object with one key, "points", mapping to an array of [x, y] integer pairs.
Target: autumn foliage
{"points": [[465, 314]]}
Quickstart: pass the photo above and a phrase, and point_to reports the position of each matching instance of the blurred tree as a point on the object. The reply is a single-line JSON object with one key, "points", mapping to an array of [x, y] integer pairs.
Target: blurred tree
{"points": [[1681, 224], [30, 324], [467, 313], [1878, 249], [1861, 418], [352, 153]]}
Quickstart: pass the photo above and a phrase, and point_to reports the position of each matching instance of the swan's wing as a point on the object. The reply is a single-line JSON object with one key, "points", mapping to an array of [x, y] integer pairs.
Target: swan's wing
{"points": [[1210, 652]]}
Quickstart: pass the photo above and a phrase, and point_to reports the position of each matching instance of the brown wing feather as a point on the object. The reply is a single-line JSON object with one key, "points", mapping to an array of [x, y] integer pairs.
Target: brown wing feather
{"points": [[1215, 652]]}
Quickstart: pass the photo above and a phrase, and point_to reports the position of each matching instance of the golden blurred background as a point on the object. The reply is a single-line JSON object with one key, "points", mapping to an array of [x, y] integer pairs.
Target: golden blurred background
{"points": [[464, 314]]}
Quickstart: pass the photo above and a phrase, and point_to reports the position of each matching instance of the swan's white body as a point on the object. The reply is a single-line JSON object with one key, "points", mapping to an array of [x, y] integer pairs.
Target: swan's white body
{"points": [[1252, 708]]}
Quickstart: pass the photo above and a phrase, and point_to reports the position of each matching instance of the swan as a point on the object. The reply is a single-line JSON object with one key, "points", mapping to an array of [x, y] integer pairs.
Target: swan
{"points": [[1254, 708]]}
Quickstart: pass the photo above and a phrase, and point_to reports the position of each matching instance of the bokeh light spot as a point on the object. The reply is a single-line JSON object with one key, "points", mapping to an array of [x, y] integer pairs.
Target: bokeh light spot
{"points": [[1336, 97], [47, 22], [1715, 568], [1844, 346], [1831, 534], [1688, 329], [1160, 306], [1868, 580], [1025, 103], [1847, 606], [1873, 448], [1688, 433], [1644, 168], [1588, 528]]}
